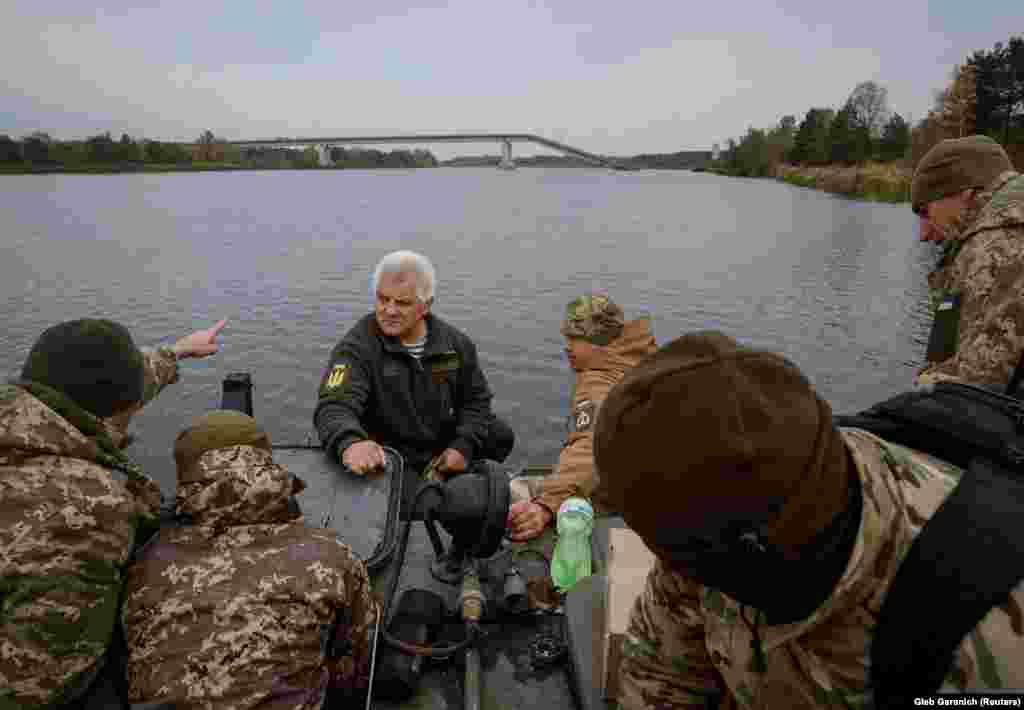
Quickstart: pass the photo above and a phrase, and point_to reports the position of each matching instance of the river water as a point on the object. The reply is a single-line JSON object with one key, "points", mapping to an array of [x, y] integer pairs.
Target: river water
{"points": [[837, 286]]}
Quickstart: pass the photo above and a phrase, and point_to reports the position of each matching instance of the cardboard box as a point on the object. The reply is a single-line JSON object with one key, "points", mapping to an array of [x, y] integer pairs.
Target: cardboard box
{"points": [[629, 561]]}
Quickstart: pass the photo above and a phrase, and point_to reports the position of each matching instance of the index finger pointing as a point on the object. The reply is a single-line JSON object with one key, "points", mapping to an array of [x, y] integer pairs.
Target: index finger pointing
{"points": [[215, 328]]}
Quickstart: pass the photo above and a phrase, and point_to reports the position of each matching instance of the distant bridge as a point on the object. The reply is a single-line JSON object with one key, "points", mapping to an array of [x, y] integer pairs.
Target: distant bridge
{"points": [[324, 145]]}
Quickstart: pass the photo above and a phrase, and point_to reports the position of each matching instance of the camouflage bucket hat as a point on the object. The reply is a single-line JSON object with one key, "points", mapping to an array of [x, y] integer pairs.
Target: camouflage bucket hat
{"points": [[218, 429], [594, 318]]}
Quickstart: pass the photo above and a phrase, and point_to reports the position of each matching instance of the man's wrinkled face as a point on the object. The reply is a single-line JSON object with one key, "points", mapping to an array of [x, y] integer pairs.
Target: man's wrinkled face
{"points": [[582, 354], [940, 218], [398, 309]]}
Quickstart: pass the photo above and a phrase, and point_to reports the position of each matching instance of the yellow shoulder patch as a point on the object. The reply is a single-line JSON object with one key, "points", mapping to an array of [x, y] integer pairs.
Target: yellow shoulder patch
{"points": [[335, 377]]}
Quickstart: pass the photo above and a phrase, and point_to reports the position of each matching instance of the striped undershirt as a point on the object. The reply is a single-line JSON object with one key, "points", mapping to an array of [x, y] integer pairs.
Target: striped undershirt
{"points": [[416, 348]]}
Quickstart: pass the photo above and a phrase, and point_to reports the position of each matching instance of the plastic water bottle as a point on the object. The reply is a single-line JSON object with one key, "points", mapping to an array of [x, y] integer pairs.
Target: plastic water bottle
{"points": [[571, 561]]}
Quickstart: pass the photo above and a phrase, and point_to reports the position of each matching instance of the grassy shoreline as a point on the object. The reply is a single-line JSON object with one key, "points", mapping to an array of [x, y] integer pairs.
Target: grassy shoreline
{"points": [[873, 182], [174, 168]]}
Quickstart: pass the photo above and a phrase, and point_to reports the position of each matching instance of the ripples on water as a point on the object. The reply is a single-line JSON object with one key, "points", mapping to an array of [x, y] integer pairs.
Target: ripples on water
{"points": [[837, 286]]}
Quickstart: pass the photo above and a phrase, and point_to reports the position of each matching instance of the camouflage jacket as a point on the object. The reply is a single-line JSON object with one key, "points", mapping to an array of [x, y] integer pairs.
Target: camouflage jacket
{"points": [[985, 265], [229, 610], [575, 474], [688, 644], [67, 526]]}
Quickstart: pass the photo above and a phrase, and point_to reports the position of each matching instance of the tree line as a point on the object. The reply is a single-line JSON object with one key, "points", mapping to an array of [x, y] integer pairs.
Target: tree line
{"points": [[985, 95], [39, 151]]}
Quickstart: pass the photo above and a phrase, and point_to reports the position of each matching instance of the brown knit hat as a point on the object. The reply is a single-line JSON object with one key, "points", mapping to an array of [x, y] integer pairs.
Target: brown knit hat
{"points": [[215, 430], [593, 317], [707, 434], [955, 165]]}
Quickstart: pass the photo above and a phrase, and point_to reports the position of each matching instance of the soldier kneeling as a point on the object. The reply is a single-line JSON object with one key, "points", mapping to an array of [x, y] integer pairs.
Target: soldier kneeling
{"points": [[229, 609]]}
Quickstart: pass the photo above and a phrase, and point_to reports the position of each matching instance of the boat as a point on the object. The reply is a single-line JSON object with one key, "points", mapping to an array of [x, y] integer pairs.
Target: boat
{"points": [[523, 659], [516, 658]]}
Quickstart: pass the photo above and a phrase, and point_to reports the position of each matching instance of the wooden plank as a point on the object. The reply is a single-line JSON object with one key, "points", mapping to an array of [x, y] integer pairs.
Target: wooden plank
{"points": [[629, 561]]}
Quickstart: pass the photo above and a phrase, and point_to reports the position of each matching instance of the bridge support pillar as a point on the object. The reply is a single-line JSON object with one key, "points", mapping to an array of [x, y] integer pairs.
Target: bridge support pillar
{"points": [[323, 155], [507, 163]]}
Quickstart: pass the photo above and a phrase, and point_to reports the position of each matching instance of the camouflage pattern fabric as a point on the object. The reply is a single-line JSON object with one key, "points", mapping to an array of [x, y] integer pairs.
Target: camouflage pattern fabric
{"points": [[593, 317], [984, 262], [230, 610], [218, 429], [67, 526], [688, 645], [575, 474]]}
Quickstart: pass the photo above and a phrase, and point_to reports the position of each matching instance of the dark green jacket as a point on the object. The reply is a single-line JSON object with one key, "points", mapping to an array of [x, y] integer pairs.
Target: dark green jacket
{"points": [[374, 389]]}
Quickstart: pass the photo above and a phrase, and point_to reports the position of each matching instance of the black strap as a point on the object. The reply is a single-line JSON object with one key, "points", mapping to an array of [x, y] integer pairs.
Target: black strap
{"points": [[968, 558], [954, 422]]}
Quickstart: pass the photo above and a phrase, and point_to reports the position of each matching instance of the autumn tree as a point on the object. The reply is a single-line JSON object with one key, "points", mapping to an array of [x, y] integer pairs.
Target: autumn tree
{"points": [[209, 148], [925, 134], [956, 104]]}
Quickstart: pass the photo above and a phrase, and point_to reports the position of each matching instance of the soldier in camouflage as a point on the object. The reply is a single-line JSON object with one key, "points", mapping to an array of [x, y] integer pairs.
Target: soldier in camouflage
{"points": [[233, 608], [72, 504], [969, 198], [777, 536], [601, 346]]}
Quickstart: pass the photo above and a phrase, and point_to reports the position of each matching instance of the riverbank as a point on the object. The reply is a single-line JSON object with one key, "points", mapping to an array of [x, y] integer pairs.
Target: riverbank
{"points": [[876, 182], [117, 169]]}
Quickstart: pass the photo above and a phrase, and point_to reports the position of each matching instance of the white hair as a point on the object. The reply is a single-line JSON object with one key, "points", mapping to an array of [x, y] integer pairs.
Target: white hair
{"points": [[408, 262]]}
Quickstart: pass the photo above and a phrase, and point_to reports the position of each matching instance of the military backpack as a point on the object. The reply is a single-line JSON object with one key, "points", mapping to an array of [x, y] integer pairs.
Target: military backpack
{"points": [[970, 555]]}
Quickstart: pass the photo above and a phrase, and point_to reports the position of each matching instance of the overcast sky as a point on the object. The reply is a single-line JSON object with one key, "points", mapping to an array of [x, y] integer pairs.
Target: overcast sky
{"points": [[609, 76]]}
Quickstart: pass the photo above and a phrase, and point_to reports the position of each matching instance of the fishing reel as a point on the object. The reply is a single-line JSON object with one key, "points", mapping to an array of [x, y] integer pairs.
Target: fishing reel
{"points": [[472, 508]]}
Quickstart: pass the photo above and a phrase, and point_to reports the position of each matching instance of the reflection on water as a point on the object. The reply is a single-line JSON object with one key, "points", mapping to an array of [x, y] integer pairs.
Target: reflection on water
{"points": [[835, 285]]}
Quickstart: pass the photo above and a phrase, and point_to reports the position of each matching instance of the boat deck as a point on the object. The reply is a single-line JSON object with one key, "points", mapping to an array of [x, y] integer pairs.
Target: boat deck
{"points": [[513, 675]]}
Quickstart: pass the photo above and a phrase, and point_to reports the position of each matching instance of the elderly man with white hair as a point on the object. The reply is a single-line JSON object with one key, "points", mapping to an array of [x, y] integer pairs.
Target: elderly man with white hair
{"points": [[404, 378]]}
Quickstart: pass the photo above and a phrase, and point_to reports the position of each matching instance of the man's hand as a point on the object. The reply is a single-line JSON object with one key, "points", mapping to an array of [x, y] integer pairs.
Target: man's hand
{"points": [[452, 461], [926, 377], [199, 343], [527, 520], [363, 457]]}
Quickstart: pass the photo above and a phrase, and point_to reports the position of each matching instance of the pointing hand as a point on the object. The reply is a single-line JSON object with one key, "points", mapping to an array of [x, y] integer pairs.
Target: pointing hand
{"points": [[200, 343]]}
